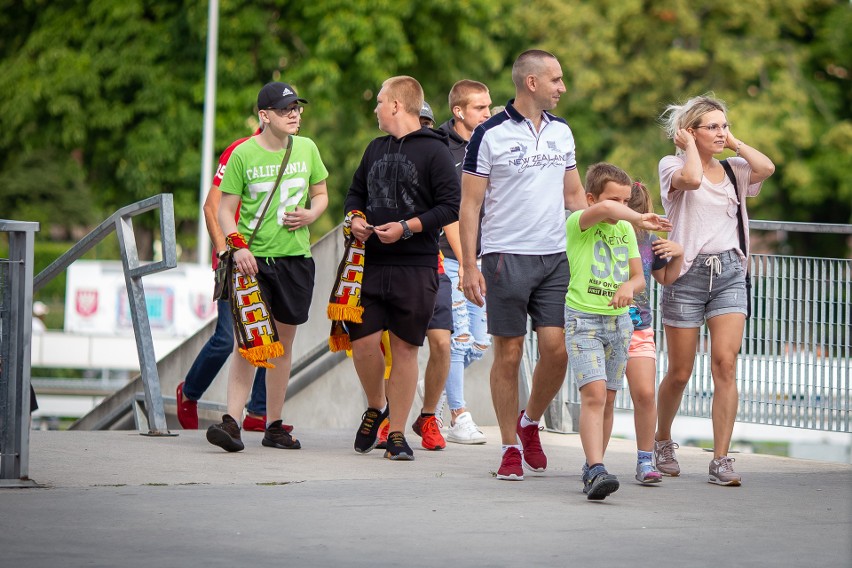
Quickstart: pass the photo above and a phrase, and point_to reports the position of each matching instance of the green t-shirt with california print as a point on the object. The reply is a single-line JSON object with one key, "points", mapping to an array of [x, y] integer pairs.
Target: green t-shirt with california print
{"points": [[251, 173], [599, 262]]}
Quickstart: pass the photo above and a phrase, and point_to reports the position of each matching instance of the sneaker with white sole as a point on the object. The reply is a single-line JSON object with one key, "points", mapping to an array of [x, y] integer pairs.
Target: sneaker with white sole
{"points": [[439, 410], [664, 458], [510, 466], [465, 431], [647, 473], [533, 456], [722, 472]]}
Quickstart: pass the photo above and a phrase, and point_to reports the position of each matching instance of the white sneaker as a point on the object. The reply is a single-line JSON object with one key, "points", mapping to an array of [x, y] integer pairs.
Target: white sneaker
{"points": [[439, 410], [465, 431]]}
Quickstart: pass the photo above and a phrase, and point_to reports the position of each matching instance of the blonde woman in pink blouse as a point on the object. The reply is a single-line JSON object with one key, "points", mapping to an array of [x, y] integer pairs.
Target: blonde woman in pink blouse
{"points": [[702, 203]]}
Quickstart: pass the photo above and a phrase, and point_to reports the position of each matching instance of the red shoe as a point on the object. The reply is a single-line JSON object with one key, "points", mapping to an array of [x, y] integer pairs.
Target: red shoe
{"points": [[430, 433], [382, 444], [187, 411], [255, 424], [533, 457], [510, 467]]}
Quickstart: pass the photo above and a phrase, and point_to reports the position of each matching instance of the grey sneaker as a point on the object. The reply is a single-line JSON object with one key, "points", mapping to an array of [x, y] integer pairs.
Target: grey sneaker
{"points": [[722, 472], [598, 483], [647, 473], [664, 458]]}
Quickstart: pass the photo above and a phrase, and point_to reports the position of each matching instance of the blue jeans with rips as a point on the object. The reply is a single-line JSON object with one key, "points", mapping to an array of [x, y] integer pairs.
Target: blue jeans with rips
{"points": [[211, 358], [470, 339]]}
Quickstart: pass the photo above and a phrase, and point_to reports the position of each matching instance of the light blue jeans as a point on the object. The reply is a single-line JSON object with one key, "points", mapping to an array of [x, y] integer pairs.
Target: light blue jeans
{"points": [[469, 323]]}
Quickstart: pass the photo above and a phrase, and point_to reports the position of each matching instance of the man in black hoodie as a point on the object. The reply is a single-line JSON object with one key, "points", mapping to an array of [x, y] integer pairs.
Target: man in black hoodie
{"points": [[404, 190]]}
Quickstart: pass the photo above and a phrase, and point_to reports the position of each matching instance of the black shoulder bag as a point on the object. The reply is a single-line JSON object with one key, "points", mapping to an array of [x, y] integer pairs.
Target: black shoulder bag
{"points": [[741, 230], [222, 274]]}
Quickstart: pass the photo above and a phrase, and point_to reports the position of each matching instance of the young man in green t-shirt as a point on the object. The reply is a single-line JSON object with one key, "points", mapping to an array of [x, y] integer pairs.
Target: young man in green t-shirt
{"points": [[606, 271], [280, 255]]}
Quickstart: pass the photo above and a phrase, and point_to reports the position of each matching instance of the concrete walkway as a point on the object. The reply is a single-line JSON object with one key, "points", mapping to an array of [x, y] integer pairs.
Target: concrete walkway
{"points": [[120, 499]]}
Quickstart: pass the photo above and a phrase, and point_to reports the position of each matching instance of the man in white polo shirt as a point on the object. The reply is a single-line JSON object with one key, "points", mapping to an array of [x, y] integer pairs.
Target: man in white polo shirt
{"points": [[521, 164]]}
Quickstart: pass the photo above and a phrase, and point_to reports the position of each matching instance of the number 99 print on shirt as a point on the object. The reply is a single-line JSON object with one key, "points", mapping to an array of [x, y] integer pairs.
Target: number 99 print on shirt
{"points": [[599, 260]]}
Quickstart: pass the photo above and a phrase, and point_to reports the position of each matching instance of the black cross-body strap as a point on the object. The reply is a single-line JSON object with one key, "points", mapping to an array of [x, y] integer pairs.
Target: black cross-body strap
{"points": [[740, 225], [274, 188]]}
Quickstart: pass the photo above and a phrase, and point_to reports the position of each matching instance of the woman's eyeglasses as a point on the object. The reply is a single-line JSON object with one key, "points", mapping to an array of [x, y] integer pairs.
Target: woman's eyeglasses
{"points": [[715, 128]]}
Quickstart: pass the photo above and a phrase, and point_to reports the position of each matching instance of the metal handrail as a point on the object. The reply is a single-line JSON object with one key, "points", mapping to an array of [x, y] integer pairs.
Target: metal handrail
{"points": [[797, 227], [122, 223], [16, 301], [164, 202]]}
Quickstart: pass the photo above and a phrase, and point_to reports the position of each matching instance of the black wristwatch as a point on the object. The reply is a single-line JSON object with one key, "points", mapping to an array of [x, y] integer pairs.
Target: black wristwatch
{"points": [[406, 232]]}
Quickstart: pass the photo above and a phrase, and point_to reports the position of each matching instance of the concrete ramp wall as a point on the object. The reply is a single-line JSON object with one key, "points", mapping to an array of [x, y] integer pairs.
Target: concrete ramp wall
{"points": [[324, 391]]}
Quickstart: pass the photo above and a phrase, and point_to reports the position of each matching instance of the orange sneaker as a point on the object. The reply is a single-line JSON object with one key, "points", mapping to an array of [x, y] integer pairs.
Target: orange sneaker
{"points": [[430, 433], [383, 435]]}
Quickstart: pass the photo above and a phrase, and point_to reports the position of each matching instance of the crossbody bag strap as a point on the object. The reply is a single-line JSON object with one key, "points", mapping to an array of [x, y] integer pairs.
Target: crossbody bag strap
{"points": [[274, 188], [740, 225]]}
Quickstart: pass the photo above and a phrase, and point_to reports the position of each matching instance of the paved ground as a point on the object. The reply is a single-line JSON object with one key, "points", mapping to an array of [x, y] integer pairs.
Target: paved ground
{"points": [[120, 499]]}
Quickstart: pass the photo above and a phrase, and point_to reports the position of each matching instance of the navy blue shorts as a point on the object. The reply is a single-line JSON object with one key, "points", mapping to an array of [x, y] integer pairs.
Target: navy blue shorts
{"points": [[442, 317]]}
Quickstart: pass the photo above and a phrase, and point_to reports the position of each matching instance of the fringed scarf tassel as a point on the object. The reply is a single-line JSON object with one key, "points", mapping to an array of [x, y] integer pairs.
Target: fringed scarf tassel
{"points": [[344, 304]]}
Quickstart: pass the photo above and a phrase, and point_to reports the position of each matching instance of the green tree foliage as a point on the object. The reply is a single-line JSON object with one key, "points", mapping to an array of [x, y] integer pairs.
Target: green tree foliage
{"points": [[103, 99], [779, 64]]}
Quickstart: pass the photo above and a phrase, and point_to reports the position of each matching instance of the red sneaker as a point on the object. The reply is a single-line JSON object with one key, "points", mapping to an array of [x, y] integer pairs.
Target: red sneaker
{"points": [[258, 424], [382, 444], [430, 433], [187, 411], [533, 457], [510, 467]]}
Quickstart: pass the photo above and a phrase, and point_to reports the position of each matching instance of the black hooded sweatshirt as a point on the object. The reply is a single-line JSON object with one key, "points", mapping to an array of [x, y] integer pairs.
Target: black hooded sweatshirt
{"points": [[458, 147], [457, 144], [402, 178]]}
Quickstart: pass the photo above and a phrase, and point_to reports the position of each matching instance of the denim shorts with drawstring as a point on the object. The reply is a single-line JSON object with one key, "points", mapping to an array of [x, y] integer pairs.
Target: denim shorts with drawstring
{"points": [[714, 285]]}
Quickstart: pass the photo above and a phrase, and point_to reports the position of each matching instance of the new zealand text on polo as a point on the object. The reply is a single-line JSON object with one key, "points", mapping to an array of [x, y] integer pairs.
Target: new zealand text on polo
{"points": [[524, 201]]}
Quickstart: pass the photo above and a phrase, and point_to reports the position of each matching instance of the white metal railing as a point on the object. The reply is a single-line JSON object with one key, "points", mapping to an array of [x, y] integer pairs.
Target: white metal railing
{"points": [[795, 365]]}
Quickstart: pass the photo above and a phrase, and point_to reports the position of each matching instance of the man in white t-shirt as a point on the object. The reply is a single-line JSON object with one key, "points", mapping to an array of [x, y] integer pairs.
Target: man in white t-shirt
{"points": [[521, 164]]}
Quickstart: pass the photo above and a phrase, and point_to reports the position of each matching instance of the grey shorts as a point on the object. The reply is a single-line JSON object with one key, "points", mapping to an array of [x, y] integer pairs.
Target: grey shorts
{"points": [[519, 284], [694, 297], [597, 347]]}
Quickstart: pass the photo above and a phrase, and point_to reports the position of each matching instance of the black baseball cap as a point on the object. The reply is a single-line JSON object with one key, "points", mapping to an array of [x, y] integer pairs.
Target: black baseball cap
{"points": [[426, 112], [277, 95]]}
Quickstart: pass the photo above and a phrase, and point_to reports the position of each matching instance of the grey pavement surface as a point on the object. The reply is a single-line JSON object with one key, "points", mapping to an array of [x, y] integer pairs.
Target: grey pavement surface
{"points": [[121, 499]]}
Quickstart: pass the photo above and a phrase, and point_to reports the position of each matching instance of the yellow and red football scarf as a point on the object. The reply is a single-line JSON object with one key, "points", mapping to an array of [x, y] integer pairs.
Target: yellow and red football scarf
{"points": [[344, 304], [254, 327]]}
